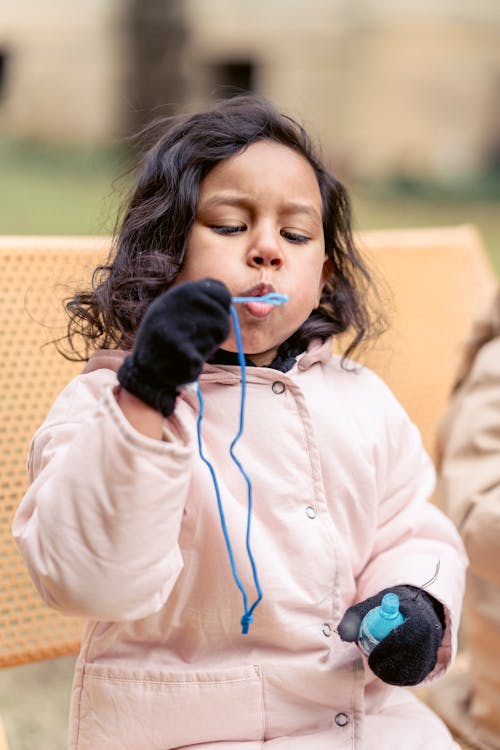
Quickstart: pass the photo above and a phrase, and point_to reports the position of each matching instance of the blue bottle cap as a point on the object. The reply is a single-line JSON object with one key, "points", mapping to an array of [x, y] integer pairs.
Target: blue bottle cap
{"points": [[390, 604]]}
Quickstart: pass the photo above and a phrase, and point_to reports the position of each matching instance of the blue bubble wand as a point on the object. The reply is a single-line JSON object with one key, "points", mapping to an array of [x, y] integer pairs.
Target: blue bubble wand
{"points": [[273, 298]]}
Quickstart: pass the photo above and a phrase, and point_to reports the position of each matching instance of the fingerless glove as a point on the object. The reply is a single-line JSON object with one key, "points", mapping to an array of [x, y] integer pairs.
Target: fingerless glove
{"points": [[180, 330], [409, 653]]}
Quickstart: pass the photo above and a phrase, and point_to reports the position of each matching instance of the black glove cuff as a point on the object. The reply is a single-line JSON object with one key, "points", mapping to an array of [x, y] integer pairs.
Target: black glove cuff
{"points": [[438, 609], [130, 378]]}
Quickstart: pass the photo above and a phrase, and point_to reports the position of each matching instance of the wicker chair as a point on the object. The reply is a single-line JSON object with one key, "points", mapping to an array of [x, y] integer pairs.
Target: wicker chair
{"points": [[440, 279], [36, 274]]}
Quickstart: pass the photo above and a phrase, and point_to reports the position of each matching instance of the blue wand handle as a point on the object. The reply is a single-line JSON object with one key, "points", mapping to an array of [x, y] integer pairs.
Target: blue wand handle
{"points": [[273, 298]]}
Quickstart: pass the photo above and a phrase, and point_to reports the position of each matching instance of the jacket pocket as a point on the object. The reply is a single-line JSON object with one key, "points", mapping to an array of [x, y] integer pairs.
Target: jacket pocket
{"points": [[153, 710]]}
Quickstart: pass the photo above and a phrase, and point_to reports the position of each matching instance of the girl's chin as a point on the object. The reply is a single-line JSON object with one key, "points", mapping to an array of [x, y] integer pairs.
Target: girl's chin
{"points": [[261, 351]]}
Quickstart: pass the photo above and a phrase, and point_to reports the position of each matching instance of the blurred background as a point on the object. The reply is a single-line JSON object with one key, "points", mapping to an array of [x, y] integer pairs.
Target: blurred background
{"points": [[403, 96]]}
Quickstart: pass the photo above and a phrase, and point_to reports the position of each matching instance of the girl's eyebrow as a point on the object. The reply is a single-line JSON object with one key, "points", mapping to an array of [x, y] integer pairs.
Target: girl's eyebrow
{"points": [[302, 208], [226, 200], [288, 208]]}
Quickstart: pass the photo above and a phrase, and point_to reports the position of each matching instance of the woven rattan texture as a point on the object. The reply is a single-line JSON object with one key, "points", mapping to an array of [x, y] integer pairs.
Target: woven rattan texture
{"points": [[35, 275], [441, 280]]}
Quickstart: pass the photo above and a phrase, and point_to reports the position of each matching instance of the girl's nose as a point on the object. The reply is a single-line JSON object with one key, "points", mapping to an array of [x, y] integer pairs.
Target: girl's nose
{"points": [[266, 251]]}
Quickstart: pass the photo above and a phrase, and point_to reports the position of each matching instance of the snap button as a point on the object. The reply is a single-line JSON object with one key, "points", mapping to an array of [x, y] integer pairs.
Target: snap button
{"points": [[327, 629], [310, 512], [341, 719], [278, 386]]}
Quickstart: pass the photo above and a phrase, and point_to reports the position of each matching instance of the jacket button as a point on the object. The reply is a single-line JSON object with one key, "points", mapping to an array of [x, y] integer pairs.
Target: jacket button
{"points": [[341, 719], [278, 386], [310, 512], [327, 629]]}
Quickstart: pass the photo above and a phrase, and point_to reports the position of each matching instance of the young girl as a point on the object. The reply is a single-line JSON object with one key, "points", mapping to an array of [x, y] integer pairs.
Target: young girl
{"points": [[223, 613]]}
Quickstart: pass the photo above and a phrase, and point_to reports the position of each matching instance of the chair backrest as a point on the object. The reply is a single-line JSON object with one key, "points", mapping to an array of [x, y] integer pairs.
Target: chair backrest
{"points": [[441, 281], [36, 274], [440, 278]]}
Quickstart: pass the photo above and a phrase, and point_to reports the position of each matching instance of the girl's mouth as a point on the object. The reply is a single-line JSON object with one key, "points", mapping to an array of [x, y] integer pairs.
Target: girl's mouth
{"points": [[259, 309]]}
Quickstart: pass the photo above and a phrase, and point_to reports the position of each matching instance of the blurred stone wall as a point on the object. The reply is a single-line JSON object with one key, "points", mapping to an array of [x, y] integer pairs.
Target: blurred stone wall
{"points": [[387, 87], [63, 69]]}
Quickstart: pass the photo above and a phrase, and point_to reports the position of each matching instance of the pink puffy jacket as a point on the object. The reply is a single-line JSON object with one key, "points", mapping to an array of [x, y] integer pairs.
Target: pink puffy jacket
{"points": [[123, 530]]}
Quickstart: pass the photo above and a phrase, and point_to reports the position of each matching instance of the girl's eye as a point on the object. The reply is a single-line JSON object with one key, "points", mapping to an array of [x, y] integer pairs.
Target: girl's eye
{"points": [[294, 236], [227, 228]]}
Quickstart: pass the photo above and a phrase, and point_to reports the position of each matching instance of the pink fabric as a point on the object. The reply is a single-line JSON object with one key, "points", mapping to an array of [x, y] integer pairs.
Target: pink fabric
{"points": [[123, 530]]}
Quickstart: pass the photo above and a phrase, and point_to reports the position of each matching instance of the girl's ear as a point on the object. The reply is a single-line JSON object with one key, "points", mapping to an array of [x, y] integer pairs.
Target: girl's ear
{"points": [[325, 275]]}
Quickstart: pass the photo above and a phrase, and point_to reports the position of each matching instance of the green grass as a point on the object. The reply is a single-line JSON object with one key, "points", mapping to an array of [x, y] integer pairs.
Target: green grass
{"points": [[386, 206], [77, 191], [58, 191]]}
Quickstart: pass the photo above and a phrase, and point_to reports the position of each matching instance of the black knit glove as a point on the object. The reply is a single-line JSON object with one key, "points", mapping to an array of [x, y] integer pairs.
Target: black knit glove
{"points": [[180, 330], [409, 653]]}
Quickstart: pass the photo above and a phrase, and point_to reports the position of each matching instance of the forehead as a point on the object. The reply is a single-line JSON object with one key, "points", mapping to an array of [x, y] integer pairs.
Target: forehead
{"points": [[265, 167]]}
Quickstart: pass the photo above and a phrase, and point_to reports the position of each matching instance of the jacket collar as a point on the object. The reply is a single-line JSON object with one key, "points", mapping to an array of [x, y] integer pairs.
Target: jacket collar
{"points": [[111, 359]]}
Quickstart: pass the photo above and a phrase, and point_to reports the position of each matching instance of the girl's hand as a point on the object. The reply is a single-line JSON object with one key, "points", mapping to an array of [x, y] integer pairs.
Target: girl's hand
{"points": [[409, 653], [178, 333]]}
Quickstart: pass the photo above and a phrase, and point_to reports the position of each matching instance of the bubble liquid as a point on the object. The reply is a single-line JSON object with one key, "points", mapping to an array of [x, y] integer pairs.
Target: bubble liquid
{"points": [[379, 622]]}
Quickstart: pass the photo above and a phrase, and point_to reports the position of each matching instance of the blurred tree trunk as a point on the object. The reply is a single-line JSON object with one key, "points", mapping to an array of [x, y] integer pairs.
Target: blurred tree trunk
{"points": [[156, 34]]}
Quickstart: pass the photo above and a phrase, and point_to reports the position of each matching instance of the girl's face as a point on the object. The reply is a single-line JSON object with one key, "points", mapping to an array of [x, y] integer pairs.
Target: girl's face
{"points": [[258, 228]]}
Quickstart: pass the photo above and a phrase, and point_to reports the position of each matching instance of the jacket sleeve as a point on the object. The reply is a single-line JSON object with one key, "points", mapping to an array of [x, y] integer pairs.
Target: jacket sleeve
{"points": [[99, 525], [469, 479], [414, 540]]}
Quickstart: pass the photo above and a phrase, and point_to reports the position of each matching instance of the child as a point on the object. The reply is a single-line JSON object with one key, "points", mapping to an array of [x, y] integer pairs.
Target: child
{"points": [[469, 491], [121, 524]]}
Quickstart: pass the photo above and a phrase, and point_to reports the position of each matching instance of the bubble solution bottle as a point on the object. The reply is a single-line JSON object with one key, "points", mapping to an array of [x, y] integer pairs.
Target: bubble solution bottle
{"points": [[379, 622]]}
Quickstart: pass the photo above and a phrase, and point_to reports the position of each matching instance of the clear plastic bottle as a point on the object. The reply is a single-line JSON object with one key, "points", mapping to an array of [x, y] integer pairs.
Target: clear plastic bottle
{"points": [[379, 622]]}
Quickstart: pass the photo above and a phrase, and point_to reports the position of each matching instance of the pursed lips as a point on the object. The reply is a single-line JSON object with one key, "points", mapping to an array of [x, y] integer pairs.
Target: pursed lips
{"points": [[259, 290], [258, 309]]}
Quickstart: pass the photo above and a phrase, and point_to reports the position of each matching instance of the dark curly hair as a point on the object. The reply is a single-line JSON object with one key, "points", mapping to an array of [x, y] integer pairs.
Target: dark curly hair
{"points": [[149, 245]]}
